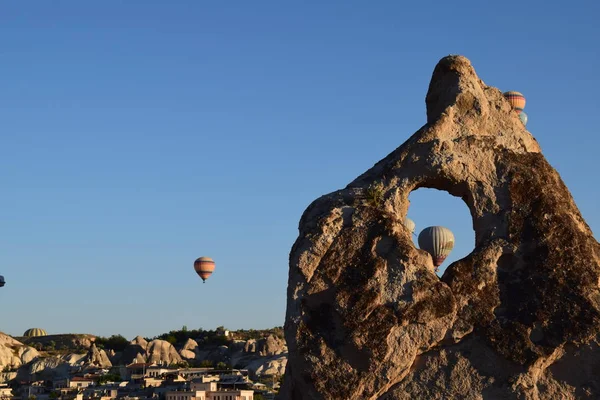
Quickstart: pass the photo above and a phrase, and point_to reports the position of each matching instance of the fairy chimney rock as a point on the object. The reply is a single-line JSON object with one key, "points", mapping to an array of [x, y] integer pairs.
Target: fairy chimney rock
{"points": [[367, 317]]}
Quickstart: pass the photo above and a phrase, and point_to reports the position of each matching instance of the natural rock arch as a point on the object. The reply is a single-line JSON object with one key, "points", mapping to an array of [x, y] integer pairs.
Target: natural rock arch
{"points": [[368, 319], [431, 207]]}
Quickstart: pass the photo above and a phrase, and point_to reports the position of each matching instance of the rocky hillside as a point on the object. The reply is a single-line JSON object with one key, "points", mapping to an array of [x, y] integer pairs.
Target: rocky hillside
{"points": [[265, 356], [60, 354], [70, 342], [13, 355]]}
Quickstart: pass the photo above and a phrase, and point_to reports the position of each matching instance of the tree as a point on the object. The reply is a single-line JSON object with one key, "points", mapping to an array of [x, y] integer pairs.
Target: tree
{"points": [[171, 339], [221, 365], [206, 364], [182, 364], [115, 342], [110, 377]]}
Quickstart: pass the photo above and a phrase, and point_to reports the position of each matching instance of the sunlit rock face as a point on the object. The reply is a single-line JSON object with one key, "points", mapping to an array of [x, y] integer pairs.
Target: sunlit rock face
{"points": [[367, 318], [14, 354]]}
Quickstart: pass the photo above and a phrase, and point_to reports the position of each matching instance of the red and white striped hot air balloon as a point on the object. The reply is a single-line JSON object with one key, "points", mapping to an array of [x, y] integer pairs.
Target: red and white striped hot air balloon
{"points": [[516, 100], [204, 267]]}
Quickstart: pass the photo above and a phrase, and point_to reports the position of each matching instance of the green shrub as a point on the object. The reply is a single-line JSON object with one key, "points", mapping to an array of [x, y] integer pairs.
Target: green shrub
{"points": [[374, 194]]}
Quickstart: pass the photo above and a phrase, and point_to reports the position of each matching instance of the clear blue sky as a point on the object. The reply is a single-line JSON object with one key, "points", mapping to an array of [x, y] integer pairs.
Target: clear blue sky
{"points": [[136, 136]]}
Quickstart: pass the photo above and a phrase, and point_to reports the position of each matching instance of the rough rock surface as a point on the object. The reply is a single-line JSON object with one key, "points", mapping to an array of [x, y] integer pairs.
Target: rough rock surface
{"points": [[140, 341], [268, 366], [13, 353], [518, 318], [69, 340], [268, 346], [189, 350], [98, 358], [190, 345], [134, 352], [75, 359], [187, 354], [44, 368], [161, 351]]}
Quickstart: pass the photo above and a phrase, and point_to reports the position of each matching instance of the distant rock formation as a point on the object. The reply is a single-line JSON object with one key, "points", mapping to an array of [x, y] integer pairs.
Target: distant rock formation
{"points": [[47, 368], [518, 318], [64, 341], [189, 351], [98, 358], [140, 341], [13, 353], [274, 365], [264, 356], [75, 359], [268, 346], [134, 352], [162, 351]]}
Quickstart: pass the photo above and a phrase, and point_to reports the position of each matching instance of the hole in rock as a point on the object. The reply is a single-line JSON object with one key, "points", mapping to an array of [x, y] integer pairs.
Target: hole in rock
{"points": [[432, 207]]}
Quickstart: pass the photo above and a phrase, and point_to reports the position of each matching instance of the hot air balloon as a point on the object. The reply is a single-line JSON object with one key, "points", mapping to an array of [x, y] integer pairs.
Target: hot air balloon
{"points": [[35, 332], [437, 241], [523, 117], [409, 224], [516, 99], [204, 267], [2, 281]]}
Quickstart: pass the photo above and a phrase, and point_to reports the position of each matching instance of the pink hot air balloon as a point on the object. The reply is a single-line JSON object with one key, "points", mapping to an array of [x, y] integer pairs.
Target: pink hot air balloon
{"points": [[204, 267]]}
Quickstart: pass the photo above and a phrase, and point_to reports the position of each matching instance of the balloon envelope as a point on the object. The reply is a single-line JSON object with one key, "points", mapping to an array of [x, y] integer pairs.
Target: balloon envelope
{"points": [[409, 224], [516, 99], [523, 117], [437, 241], [2, 281], [35, 332], [204, 267]]}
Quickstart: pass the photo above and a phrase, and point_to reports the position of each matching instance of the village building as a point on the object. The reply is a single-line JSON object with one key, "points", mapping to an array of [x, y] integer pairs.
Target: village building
{"points": [[210, 391], [75, 382], [5, 392], [156, 371]]}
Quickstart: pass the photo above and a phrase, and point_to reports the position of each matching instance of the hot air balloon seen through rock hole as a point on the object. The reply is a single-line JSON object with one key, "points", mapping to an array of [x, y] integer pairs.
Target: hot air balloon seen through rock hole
{"points": [[204, 267], [437, 241]]}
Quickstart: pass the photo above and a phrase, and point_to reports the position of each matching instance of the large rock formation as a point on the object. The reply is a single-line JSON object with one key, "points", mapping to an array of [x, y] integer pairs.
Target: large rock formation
{"points": [[13, 354], [367, 317], [189, 351], [45, 368], [134, 352], [268, 346], [98, 358], [62, 341], [157, 351], [139, 341], [160, 351], [274, 365]]}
